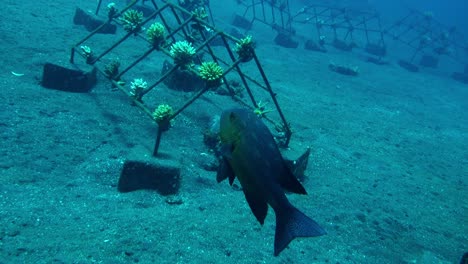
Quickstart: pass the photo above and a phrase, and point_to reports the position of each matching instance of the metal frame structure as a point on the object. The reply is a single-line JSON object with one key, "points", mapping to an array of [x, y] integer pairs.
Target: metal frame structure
{"points": [[180, 25], [424, 35], [342, 24], [345, 28], [273, 13]]}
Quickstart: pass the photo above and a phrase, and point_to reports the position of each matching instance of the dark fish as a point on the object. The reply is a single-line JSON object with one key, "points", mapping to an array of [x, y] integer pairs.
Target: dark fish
{"points": [[464, 259], [249, 152]]}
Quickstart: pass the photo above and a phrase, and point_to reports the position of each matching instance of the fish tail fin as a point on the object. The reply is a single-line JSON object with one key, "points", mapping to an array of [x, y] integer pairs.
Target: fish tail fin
{"points": [[292, 223]]}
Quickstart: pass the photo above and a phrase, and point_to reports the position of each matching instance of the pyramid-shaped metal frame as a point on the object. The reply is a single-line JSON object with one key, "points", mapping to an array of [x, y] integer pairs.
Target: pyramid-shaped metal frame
{"points": [[185, 23]]}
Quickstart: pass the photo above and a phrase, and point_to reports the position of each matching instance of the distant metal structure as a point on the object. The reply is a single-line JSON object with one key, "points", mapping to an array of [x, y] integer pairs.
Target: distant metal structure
{"points": [[428, 40], [273, 13], [348, 28], [344, 28], [136, 54]]}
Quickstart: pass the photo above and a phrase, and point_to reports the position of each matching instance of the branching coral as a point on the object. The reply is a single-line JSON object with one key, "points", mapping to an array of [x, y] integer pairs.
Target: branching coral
{"points": [[111, 70], [261, 109], [162, 115], [155, 34], [137, 87], [211, 73], [131, 20], [200, 13], [183, 52], [245, 48], [111, 10], [87, 53]]}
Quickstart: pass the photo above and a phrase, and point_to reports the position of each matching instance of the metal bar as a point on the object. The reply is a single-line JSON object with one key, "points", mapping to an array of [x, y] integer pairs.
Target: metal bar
{"points": [[273, 97], [157, 141], [98, 7], [148, 52], [111, 48], [161, 79]]}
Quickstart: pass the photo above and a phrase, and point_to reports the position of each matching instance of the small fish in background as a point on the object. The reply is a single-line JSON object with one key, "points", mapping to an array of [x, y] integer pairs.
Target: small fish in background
{"points": [[250, 153]]}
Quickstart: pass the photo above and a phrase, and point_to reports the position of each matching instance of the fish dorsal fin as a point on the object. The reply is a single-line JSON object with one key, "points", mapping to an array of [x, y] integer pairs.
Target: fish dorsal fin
{"points": [[290, 183], [257, 204]]}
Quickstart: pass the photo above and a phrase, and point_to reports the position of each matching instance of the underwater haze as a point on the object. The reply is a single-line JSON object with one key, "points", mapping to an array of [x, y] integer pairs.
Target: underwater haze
{"points": [[451, 13], [387, 176]]}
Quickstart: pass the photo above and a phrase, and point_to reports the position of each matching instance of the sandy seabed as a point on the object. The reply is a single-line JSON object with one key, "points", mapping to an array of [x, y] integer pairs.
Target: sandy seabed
{"points": [[386, 177]]}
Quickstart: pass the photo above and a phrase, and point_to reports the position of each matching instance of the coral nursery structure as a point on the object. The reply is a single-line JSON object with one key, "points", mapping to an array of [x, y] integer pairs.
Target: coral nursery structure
{"points": [[427, 40], [275, 14], [344, 28], [169, 32]]}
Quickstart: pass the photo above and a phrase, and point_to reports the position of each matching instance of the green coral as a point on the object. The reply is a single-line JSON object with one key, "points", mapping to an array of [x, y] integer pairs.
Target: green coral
{"points": [[87, 53], [155, 34], [137, 87], [182, 52], [193, 4], [131, 20], [200, 13], [162, 115], [261, 109], [211, 73], [111, 10], [111, 70], [245, 48]]}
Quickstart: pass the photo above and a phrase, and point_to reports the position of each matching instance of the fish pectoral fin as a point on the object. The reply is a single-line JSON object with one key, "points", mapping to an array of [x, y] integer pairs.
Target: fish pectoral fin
{"points": [[257, 204], [290, 183], [225, 171], [226, 150]]}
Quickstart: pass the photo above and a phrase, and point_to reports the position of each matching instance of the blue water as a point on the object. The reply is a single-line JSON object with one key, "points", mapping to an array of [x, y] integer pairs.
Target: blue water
{"points": [[450, 13]]}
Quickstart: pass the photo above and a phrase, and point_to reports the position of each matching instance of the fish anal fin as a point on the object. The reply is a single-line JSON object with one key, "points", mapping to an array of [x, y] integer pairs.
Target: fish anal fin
{"points": [[257, 204], [290, 183]]}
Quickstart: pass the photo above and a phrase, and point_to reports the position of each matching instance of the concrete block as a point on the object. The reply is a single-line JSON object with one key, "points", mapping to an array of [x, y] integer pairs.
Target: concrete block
{"points": [[69, 80], [143, 171], [91, 22]]}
